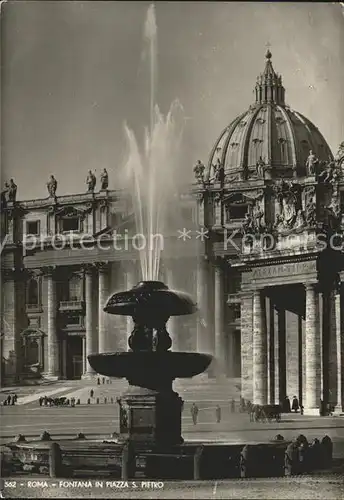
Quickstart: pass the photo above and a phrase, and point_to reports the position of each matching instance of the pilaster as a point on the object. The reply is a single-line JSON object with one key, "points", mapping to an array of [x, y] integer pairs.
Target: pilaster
{"points": [[53, 339], [89, 318]]}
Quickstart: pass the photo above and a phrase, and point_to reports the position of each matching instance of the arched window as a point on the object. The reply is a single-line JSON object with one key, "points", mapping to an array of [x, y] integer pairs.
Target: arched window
{"points": [[32, 292]]}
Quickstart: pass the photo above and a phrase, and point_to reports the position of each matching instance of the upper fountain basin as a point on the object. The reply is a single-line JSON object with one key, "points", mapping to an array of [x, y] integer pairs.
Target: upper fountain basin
{"points": [[148, 364], [153, 296]]}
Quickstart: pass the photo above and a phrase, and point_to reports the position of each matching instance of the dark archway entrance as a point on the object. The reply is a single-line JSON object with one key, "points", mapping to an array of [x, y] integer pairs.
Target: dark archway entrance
{"points": [[74, 357]]}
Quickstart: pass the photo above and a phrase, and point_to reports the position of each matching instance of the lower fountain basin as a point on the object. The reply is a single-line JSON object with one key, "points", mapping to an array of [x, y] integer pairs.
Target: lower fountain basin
{"points": [[160, 364]]}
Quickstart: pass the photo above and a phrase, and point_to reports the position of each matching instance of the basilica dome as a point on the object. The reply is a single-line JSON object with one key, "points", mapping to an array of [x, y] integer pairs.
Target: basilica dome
{"points": [[270, 132]]}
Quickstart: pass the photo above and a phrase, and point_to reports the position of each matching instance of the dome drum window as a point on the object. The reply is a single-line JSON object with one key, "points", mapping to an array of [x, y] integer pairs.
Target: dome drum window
{"points": [[236, 208]]}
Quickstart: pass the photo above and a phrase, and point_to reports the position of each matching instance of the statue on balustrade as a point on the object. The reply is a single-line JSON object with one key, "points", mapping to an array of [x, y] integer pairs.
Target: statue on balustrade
{"points": [[248, 225], [4, 195], [219, 172], [258, 215], [12, 191], [199, 171], [311, 163], [329, 173], [52, 186], [340, 152], [91, 181], [104, 180], [260, 168], [334, 211]]}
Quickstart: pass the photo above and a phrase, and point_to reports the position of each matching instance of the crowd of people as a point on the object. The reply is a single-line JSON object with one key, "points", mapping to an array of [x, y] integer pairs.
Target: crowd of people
{"points": [[253, 410], [10, 400], [62, 401]]}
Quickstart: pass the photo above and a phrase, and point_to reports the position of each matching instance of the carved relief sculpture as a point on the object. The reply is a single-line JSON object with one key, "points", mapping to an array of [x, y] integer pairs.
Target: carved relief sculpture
{"points": [[334, 211], [329, 172], [289, 198]]}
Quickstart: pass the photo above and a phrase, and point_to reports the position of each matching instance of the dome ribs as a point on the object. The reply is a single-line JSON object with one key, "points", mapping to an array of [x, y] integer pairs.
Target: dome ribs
{"points": [[269, 140], [292, 138]]}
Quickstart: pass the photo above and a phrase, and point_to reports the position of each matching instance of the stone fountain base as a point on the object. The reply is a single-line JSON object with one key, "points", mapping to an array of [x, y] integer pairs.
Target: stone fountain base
{"points": [[150, 416]]}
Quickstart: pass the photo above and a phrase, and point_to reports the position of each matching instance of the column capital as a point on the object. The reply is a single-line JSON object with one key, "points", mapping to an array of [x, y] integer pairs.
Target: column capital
{"points": [[88, 268], [49, 271], [13, 273], [102, 266], [33, 273], [311, 286]]}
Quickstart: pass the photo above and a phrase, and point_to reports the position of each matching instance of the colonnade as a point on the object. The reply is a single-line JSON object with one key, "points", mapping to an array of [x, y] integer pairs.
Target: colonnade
{"points": [[320, 349], [210, 296]]}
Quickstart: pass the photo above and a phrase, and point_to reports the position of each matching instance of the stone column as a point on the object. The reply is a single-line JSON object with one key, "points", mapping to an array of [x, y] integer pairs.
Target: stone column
{"points": [[84, 359], [203, 326], [312, 352], [272, 351], [332, 350], [220, 347], [172, 324], [131, 281], [53, 344], [64, 358], [260, 385], [339, 353], [90, 334], [103, 270], [300, 360], [13, 321], [326, 334], [282, 375]]}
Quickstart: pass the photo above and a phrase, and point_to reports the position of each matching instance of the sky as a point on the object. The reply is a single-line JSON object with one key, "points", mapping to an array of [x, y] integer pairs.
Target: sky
{"points": [[72, 73]]}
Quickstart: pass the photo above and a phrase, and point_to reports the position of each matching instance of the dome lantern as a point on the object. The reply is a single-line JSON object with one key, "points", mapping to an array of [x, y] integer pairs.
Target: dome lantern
{"points": [[269, 86]]}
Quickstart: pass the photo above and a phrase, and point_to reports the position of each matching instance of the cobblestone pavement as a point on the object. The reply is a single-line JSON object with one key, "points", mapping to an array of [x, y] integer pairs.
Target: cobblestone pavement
{"points": [[305, 487]]}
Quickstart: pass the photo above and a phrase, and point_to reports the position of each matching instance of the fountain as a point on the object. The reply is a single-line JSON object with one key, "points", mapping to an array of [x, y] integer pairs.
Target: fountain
{"points": [[150, 409], [149, 442]]}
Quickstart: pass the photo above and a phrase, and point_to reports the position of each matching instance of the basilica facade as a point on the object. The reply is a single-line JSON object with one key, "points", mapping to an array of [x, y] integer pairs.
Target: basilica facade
{"points": [[260, 249]]}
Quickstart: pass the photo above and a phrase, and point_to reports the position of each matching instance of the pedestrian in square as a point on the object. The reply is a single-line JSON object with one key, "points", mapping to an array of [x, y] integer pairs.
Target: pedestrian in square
{"points": [[194, 413], [218, 414]]}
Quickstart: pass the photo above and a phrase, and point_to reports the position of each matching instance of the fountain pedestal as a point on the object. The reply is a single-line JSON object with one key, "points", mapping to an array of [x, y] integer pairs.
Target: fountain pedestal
{"points": [[148, 416], [150, 411]]}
